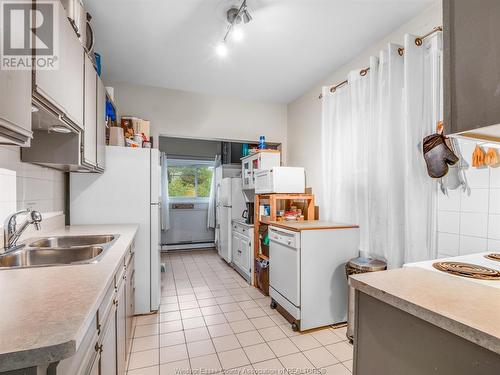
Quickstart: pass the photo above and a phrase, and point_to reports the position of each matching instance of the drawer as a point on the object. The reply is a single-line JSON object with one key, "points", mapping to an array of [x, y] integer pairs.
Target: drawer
{"points": [[240, 228], [106, 307]]}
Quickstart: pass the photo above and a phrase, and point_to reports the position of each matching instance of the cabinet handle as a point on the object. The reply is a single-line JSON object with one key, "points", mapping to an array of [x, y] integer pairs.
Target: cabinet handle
{"points": [[98, 348]]}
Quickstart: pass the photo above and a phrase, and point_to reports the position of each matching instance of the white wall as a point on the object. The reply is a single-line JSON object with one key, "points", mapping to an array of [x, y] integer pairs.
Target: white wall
{"points": [[39, 188], [189, 114], [470, 223], [304, 114]]}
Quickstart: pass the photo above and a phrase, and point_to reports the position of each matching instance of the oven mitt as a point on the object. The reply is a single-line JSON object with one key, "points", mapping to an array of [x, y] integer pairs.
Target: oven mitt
{"points": [[437, 155]]}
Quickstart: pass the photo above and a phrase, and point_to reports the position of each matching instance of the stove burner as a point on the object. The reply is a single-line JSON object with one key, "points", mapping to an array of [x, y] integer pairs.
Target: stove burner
{"points": [[468, 270], [494, 256]]}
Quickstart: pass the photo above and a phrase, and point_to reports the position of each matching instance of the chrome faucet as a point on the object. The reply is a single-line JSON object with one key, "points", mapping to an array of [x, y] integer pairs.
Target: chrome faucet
{"points": [[10, 232]]}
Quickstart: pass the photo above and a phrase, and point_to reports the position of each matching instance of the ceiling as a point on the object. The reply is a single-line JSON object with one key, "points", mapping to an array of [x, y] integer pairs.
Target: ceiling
{"points": [[288, 47]]}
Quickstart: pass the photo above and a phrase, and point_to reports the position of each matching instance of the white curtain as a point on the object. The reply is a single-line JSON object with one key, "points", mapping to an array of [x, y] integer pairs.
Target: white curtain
{"points": [[423, 109], [211, 222], [165, 206], [374, 173]]}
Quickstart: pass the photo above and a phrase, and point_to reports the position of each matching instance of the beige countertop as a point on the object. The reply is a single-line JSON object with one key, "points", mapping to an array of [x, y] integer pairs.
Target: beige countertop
{"points": [[464, 308], [298, 226], [46, 311]]}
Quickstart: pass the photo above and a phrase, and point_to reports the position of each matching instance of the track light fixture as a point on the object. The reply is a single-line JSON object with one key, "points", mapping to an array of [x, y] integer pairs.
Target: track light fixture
{"points": [[235, 16]]}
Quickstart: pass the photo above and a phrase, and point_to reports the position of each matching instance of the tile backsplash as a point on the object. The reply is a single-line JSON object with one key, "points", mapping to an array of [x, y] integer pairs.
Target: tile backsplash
{"points": [[470, 223], [35, 187]]}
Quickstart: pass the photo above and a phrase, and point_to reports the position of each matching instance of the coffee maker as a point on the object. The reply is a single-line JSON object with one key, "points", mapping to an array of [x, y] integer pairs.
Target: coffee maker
{"points": [[248, 213]]}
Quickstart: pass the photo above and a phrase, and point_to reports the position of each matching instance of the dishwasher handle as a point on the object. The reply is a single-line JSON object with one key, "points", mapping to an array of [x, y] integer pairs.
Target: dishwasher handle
{"points": [[287, 238]]}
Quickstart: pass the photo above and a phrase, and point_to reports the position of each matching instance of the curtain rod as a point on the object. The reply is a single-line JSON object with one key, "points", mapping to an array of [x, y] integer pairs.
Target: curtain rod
{"points": [[418, 41]]}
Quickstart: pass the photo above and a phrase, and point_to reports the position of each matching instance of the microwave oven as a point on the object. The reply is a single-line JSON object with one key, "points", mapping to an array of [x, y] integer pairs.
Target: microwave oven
{"points": [[290, 180]]}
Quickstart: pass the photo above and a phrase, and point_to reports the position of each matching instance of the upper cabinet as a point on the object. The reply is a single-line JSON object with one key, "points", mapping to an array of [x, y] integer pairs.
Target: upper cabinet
{"points": [[263, 159], [472, 67], [63, 87], [90, 118], [15, 107], [101, 124]]}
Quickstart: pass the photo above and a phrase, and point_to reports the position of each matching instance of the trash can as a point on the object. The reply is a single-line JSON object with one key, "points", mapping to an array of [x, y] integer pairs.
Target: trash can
{"points": [[355, 266], [262, 275]]}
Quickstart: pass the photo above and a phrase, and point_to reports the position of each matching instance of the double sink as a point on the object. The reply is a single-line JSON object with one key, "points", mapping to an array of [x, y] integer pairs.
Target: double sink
{"points": [[56, 251]]}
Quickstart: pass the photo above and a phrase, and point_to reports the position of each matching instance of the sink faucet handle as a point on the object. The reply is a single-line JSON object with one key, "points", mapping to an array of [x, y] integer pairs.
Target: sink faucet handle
{"points": [[36, 219]]}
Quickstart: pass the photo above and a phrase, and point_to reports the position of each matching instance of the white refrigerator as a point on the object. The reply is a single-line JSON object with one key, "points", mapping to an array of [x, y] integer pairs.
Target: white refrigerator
{"points": [[230, 205], [129, 191]]}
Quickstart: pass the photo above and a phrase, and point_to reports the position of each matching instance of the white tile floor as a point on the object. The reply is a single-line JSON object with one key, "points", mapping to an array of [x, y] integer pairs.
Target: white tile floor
{"points": [[211, 321]]}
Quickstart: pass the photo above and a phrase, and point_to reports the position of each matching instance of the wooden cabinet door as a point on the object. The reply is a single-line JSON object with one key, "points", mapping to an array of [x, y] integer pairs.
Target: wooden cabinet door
{"points": [[471, 68], [101, 124], [63, 87], [121, 341], [108, 354], [90, 119], [15, 105]]}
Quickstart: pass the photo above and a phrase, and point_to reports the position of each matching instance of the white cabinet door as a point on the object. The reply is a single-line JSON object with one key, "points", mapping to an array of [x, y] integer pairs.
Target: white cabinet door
{"points": [[90, 130], [108, 354], [101, 124], [15, 106], [63, 87], [245, 254], [121, 342], [94, 369], [236, 244]]}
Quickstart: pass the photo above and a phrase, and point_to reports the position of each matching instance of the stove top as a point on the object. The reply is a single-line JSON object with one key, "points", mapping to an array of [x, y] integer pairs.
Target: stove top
{"points": [[472, 271], [494, 256]]}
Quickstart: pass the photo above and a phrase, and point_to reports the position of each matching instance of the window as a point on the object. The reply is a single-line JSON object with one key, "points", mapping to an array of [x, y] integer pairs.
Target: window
{"points": [[188, 180]]}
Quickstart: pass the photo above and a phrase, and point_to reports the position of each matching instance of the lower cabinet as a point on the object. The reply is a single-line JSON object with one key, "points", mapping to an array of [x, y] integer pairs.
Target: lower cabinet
{"points": [[105, 347], [242, 249], [108, 347]]}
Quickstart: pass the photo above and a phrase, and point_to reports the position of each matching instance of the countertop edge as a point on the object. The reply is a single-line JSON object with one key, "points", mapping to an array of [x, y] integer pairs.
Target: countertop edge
{"points": [[469, 333], [45, 355], [36, 357]]}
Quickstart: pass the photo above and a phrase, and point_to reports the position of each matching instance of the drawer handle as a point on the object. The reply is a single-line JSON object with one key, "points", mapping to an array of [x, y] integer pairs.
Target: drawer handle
{"points": [[98, 348]]}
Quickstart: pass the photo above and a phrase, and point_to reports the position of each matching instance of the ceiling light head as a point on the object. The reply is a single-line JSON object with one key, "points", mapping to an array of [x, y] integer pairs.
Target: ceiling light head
{"points": [[246, 16], [233, 17], [237, 34], [221, 50]]}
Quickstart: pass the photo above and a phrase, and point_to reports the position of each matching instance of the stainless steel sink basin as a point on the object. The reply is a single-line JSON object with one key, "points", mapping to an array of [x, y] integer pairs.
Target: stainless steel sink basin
{"points": [[72, 241], [31, 257], [57, 251]]}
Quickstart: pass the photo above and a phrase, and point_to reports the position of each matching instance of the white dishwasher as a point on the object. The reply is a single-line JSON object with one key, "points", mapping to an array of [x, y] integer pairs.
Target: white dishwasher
{"points": [[307, 280]]}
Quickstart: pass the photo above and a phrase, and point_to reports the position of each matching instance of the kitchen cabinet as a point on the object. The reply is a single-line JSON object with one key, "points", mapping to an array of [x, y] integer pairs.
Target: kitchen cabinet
{"points": [[108, 350], [101, 124], [471, 69], [242, 249], [106, 345], [63, 88], [90, 118], [121, 325], [129, 301], [15, 107], [263, 159]]}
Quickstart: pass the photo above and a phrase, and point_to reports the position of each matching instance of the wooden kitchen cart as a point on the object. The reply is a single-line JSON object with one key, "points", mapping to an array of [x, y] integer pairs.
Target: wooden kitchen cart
{"points": [[277, 202]]}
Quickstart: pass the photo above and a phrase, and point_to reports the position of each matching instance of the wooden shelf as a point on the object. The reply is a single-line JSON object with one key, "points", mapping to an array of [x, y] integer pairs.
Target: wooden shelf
{"points": [[272, 200]]}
